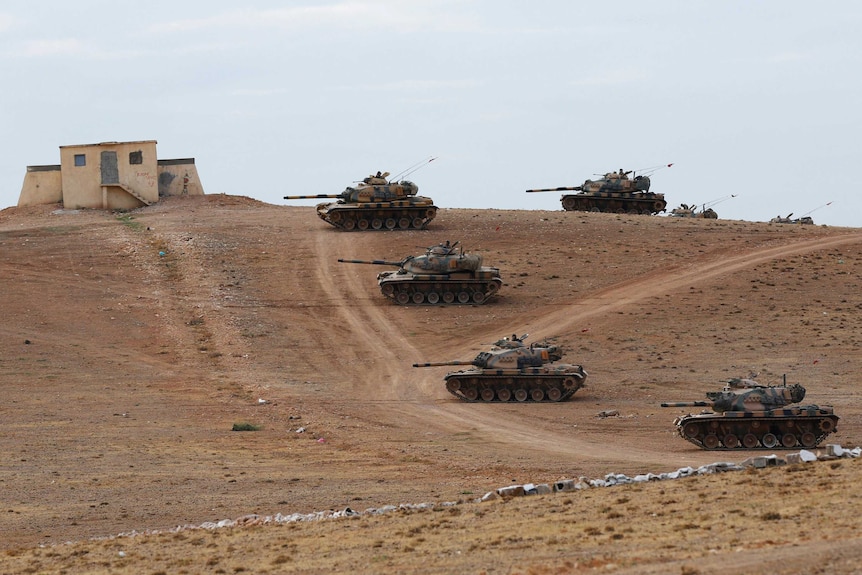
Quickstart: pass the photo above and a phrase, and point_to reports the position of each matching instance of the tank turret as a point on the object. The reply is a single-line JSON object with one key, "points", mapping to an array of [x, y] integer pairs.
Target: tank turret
{"points": [[376, 204], [753, 416], [613, 192], [442, 275], [512, 370]]}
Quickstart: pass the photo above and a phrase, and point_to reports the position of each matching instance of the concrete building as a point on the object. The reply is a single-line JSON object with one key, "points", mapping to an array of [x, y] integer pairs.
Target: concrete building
{"points": [[109, 176]]}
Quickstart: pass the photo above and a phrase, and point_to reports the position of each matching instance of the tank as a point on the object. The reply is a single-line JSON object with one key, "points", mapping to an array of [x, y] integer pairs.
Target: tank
{"points": [[706, 211], [804, 220], [748, 415], [444, 274], [376, 204], [686, 211], [615, 192], [514, 371]]}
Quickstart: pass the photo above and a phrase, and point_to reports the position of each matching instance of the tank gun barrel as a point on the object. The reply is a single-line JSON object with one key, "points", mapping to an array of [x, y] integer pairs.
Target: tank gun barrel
{"points": [[563, 189], [687, 404], [442, 363], [370, 262], [313, 197]]}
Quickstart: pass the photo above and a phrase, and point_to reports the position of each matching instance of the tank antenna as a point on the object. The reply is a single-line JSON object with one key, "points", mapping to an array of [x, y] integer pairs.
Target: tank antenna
{"points": [[652, 169], [815, 209], [403, 174], [717, 201]]}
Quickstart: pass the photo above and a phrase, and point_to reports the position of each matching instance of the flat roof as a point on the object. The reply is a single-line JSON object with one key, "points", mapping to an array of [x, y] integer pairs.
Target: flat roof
{"points": [[109, 144]]}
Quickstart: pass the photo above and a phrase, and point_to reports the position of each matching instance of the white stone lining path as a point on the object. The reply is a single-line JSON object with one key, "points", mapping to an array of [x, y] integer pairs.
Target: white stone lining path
{"points": [[830, 452]]}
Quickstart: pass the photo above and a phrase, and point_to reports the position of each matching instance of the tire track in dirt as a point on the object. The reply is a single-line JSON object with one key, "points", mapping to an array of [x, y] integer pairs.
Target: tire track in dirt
{"points": [[521, 430], [371, 332], [667, 280]]}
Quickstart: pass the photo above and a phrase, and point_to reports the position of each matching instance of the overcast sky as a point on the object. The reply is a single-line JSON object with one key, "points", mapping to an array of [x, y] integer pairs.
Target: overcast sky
{"points": [[755, 98]]}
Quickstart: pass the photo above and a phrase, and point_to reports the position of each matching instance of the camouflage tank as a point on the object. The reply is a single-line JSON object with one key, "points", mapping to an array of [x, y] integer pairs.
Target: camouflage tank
{"points": [[443, 275], [376, 204], [513, 371], [615, 193], [686, 211], [748, 415]]}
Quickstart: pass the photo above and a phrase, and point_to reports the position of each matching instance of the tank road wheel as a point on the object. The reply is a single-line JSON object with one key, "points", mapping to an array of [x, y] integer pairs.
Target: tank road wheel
{"points": [[390, 223], [827, 425], [691, 430], [788, 440], [504, 394], [487, 394], [769, 441], [418, 297], [808, 439], [432, 297], [570, 383], [537, 394], [448, 297], [418, 223], [349, 224], [521, 394], [403, 298], [376, 223], [711, 441], [463, 297], [554, 394], [633, 211], [388, 290], [659, 206], [404, 223], [471, 393], [453, 385], [568, 204], [362, 224], [749, 440], [730, 441], [478, 297]]}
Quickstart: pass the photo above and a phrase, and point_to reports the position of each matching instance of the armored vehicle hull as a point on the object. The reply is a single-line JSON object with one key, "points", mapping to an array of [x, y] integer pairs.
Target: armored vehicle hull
{"points": [[456, 288], [512, 371], [548, 383], [409, 214], [647, 203], [787, 428]]}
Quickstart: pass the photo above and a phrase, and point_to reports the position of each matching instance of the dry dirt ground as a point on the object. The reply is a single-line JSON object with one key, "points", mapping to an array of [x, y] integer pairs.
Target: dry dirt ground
{"points": [[133, 343]]}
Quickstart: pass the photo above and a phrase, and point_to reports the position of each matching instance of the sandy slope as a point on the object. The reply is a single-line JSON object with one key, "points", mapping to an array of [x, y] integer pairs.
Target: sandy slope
{"points": [[136, 342]]}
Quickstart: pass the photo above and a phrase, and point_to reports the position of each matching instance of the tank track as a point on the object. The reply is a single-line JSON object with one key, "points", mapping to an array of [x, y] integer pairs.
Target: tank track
{"points": [[547, 388], [377, 216], [620, 203], [789, 428], [440, 291]]}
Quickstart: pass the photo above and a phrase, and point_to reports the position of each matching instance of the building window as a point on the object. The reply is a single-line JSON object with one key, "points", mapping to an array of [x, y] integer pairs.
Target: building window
{"points": [[80, 160], [136, 157]]}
